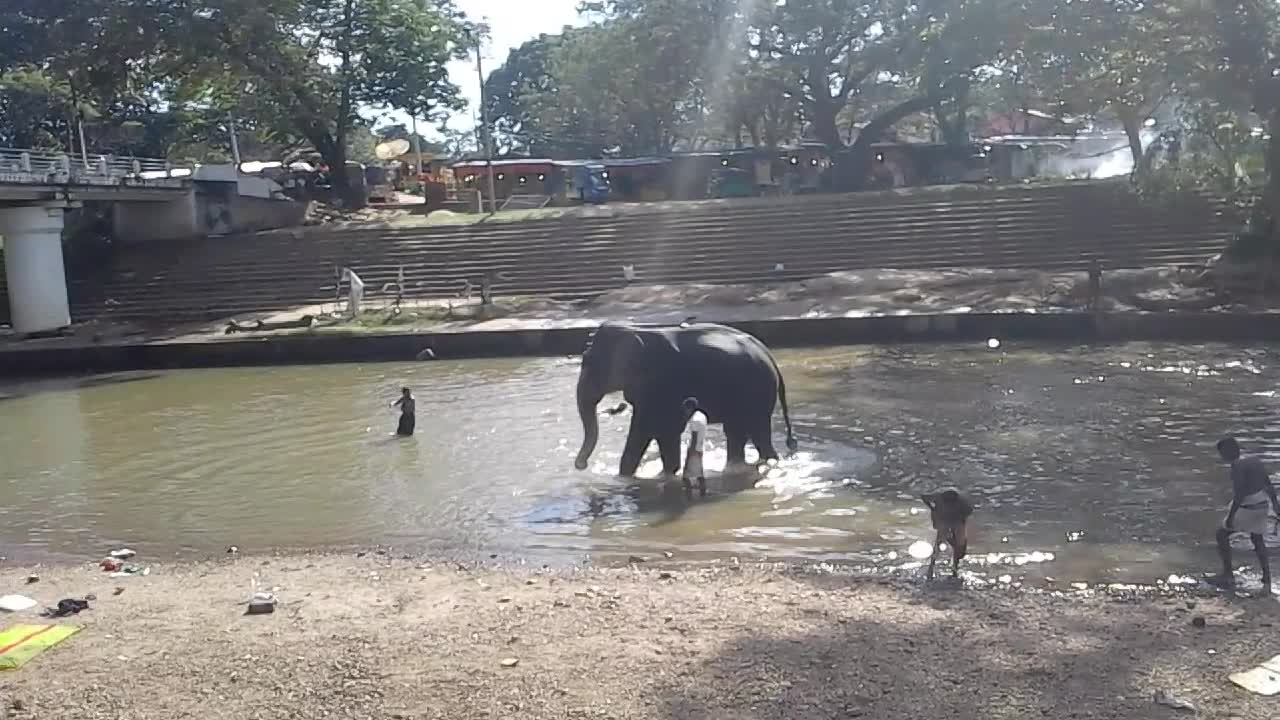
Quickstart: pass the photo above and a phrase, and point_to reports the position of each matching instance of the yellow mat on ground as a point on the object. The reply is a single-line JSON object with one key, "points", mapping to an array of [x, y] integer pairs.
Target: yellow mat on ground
{"points": [[20, 643]]}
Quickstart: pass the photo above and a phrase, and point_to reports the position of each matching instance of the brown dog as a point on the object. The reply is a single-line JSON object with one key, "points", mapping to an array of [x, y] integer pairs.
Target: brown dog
{"points": [[950, 512]]}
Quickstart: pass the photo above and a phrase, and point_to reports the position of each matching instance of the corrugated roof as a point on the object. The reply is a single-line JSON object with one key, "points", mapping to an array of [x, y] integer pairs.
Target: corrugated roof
{"points": [[504, 162]]}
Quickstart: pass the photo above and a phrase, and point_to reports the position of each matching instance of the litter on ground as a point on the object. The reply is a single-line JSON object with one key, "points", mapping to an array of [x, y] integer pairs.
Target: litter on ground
{"points": [[1262, 680]]}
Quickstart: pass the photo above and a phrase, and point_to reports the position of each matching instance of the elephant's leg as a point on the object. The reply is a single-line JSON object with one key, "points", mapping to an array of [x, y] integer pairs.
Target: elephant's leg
{"points": [[736, 441], [669, 446], [638, 439], [762, 437]]}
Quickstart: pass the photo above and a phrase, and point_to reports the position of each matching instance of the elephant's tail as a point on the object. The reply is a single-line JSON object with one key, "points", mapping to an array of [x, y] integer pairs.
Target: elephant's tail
{"points": [[792, 445]]}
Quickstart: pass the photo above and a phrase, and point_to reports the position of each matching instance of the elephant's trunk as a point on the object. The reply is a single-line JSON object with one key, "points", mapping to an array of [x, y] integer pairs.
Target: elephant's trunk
{"points": [[588, 399]]}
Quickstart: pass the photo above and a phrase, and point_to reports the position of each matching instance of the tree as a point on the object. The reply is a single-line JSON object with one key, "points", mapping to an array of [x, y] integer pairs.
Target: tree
{"points": [[637, 80], [406, 63], [1246, 37], [307, 66], [646, 105], [66, 61], [825, 52], [759, 103], [35, 110], [1116, 60], [886, 59], [513, 93], [398, 131]]}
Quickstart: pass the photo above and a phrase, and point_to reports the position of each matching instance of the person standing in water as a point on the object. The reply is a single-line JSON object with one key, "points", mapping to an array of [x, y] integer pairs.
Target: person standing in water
{"points": [[407, 406], [696, 422], [1252, 499]]}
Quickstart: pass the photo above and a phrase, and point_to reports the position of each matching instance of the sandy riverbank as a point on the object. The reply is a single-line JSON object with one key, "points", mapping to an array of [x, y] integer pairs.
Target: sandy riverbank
{"points": [[375, 637]]}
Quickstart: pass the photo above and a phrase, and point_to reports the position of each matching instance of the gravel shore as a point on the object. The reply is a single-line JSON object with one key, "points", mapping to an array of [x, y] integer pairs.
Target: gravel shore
{"points": [[377, 637]]}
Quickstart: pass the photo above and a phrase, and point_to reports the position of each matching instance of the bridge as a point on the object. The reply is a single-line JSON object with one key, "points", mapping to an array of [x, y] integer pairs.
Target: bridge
{"points": [[36, 188]]}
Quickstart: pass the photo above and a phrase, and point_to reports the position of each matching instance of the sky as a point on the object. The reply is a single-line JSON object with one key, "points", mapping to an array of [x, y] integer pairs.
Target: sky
{"points": [[511, 24]]}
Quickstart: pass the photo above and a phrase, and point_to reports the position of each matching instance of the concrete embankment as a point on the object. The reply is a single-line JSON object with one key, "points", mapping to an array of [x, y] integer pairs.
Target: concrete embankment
{"points": [[335, 347]]}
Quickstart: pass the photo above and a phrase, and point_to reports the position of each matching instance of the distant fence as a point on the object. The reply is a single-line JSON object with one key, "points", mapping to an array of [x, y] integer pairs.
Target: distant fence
{"points": [[28, 166]]}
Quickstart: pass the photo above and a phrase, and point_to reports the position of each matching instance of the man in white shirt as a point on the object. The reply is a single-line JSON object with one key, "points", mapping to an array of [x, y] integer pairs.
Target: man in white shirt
{"points": [[696, 422]]}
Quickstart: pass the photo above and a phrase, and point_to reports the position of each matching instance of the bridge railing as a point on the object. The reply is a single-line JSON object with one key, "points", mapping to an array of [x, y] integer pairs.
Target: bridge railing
{"points": [[44, 167]]}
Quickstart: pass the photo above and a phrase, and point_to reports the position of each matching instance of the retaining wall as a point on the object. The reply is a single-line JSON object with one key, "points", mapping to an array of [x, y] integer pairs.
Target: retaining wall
{"points": [[317, 348]]}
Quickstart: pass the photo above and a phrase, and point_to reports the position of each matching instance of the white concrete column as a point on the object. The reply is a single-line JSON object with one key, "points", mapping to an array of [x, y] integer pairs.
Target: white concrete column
{"points": [[33, 268]]}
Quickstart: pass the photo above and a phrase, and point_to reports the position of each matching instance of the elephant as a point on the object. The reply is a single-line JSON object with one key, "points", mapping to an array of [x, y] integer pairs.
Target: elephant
{"points": [[731, 373]]}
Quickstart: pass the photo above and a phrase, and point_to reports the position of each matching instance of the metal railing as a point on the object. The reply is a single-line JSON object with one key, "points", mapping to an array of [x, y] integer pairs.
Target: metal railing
{"points": [[42, 167], [526, 202]]}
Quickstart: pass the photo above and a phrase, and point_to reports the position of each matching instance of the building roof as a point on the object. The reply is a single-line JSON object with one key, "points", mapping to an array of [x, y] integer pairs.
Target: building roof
{"points": [[502, 163], [1029, 140], [635, 162], [579, 163]]}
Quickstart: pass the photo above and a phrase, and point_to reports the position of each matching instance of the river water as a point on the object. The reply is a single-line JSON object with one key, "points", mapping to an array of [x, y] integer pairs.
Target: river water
{"points": [[1085, 463]]}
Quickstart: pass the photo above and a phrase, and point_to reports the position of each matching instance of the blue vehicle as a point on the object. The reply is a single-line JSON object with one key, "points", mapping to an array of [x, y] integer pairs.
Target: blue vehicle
{"points": [[585, 181]]}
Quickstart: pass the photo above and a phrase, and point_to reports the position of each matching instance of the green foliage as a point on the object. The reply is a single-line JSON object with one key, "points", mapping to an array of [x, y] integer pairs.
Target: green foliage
{"points": [[649, 76], [304, 68], [299, 77], [515, 93], [35, 109], [164, 76], [67, 60]]}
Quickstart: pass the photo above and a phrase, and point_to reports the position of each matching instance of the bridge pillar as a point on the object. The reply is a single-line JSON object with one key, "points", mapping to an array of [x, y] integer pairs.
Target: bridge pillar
{"points": [[33, 268]]}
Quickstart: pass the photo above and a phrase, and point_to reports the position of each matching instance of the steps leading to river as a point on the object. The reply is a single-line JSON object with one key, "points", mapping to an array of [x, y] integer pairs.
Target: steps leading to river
{"points": [[1049, 227]]}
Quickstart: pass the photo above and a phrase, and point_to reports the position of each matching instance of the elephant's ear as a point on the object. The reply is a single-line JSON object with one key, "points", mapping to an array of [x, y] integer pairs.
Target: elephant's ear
{"points": [[630, 363]]}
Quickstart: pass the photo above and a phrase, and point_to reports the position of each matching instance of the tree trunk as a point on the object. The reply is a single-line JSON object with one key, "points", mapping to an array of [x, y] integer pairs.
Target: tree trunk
{"points": [[823, 116], [1243, 38], [1133, 131], [955, 125], [348, 192], [1271, 194], [854, 167]]}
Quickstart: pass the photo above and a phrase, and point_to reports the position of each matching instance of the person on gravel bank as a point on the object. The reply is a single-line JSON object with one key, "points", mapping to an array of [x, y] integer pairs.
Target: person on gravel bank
{"points": [[1252, 499]]}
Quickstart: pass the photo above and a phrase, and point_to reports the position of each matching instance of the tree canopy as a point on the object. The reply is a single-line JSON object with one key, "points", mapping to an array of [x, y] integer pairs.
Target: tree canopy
{"points": [[650, 76], [1191, 82], [161, 76]]}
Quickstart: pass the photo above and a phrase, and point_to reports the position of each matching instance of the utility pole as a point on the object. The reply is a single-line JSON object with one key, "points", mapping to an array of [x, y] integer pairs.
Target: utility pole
{"points": [[75, 104], [235, 142], [484, 125], [417, 148]]}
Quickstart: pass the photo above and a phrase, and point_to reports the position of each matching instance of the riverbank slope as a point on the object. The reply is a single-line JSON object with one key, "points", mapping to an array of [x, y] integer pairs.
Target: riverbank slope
{"points": [[376, 637]]}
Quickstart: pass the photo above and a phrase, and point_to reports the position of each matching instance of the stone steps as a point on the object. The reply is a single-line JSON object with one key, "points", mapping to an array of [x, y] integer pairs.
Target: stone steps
{"points": [[1055, 228]]}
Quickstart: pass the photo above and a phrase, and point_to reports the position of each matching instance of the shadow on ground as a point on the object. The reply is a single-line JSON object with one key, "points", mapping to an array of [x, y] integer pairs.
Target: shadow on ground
{"points": [[952, 653]]}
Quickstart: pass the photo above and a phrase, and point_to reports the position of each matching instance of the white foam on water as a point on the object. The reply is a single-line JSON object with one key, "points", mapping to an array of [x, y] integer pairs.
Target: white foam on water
{"points": [[920, 550], [783, 512], [811, 474]]}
